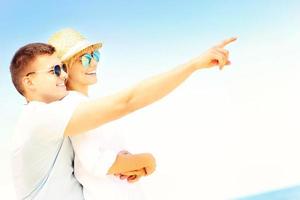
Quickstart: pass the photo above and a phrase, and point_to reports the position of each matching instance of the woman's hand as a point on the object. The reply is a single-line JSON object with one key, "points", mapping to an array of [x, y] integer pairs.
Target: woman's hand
{"points": [[146, 167], [215, 56]]}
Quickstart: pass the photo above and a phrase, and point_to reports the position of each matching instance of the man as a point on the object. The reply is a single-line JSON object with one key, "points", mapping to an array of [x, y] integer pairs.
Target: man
{"points": [[43, 155]]}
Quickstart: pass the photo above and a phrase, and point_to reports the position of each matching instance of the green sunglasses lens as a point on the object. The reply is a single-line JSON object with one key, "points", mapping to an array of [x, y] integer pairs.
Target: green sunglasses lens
{"points": [[86, 59], [96, 55]]}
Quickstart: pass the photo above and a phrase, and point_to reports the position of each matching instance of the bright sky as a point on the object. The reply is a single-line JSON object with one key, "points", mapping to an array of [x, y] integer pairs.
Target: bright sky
{"points": [[231, 129]]}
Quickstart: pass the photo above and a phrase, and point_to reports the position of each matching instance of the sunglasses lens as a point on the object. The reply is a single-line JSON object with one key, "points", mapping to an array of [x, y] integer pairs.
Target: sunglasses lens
{"points": [[96, 55], [57, 70], [86, 60], [64, 67]]}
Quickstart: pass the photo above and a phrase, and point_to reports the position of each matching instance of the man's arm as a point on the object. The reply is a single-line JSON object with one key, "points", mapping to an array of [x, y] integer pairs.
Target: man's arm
{"points": [[92, 114]]}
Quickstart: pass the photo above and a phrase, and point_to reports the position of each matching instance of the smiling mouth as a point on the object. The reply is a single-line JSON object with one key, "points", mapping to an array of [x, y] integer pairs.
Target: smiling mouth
{"points": [[61, 85], [91, 73]]}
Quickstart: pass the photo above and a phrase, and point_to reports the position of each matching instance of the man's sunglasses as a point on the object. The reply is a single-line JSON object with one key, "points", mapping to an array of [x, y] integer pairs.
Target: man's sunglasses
{"points": [[56, 69], [87, 58]]}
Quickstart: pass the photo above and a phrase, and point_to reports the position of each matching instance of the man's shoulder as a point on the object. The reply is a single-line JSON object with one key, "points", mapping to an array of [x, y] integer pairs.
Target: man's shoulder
{"points": [[73, 96]]}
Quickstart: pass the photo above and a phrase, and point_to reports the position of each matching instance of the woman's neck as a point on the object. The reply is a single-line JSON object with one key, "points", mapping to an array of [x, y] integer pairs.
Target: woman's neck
{"points": [[83, 89]]}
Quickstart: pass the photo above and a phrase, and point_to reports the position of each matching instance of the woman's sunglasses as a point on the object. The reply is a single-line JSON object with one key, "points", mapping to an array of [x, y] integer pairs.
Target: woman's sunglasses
{"points": [[87, 58], [56, 69]]}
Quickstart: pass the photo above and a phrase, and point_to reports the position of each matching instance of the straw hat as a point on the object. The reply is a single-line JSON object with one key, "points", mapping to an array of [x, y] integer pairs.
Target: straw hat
{"points": [[69, 42]]}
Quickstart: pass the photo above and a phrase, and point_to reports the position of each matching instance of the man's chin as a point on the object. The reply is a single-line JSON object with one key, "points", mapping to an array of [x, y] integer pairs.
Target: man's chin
{"points": [[63, 95]]}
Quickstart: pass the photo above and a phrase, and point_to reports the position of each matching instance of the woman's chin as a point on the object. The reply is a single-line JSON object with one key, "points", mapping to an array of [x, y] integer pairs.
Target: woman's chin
{"points": [[93, 81]]}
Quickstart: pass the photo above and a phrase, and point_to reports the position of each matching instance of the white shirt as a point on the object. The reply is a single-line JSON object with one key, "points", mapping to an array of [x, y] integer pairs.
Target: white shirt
{"points": [[42, 157], [95, 152]]}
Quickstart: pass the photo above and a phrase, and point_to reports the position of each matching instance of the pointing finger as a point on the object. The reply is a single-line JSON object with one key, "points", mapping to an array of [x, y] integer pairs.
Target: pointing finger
{"points": [[226, 42]]}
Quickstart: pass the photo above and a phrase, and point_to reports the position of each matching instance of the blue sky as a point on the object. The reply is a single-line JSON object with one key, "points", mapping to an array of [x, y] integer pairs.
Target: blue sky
{"points": [[142, 38], [137, 32]]}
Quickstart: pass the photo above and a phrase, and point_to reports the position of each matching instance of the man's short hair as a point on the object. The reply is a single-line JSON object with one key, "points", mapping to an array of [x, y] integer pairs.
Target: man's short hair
{"points": [[23, 58]]}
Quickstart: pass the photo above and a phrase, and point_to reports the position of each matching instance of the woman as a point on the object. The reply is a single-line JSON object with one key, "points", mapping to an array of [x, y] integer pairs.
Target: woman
{"points": [[98, 153]]}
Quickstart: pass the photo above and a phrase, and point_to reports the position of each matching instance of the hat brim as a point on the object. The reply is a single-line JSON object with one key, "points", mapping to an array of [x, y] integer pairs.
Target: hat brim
{"points": [[81, 49]]}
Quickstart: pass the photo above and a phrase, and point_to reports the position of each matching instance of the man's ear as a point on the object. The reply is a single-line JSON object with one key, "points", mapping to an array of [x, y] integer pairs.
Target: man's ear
{"points": [[27, 83]]}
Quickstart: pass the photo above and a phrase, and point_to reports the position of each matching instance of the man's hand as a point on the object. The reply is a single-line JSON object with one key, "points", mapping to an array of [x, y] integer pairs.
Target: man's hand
{"points": [[216, 56]]}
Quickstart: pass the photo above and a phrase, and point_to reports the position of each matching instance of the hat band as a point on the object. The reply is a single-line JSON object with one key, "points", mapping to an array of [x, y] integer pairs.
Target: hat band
{"points": [[75, 49]]}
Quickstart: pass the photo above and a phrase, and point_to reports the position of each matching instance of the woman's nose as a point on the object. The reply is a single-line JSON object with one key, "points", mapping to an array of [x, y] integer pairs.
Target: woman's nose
{"points": [[93, 63]]}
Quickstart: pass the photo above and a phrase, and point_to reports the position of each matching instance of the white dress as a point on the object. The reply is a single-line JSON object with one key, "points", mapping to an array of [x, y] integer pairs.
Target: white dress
{"points": [[95, 152]]}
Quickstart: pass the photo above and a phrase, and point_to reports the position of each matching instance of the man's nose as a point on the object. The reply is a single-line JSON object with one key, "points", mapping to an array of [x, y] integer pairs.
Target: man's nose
{"points": [[63, 75]]}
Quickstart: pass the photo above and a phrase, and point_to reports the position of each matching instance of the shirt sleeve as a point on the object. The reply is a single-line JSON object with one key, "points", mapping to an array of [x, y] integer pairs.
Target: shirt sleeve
{"points": [[52, 119]]}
